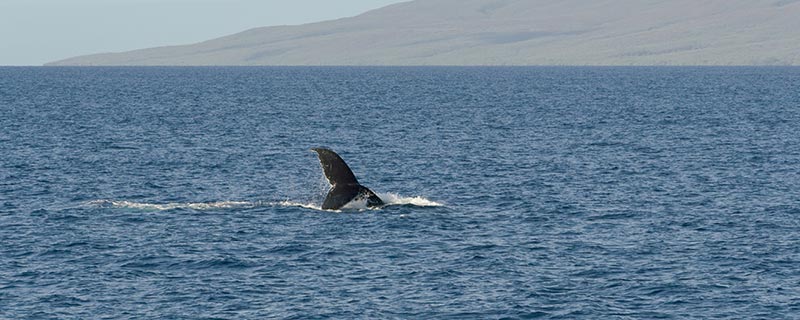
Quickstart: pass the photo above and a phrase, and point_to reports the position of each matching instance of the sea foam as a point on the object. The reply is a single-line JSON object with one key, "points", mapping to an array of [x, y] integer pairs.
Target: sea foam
{"points": [[391, 199]]}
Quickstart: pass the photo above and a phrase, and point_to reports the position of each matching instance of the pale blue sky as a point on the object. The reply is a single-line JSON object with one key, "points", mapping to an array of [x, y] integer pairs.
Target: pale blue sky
{"points": [[33, 32]]}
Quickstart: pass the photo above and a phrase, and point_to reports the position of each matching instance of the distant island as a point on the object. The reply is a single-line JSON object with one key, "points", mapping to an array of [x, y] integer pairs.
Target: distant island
{"points": [[507, 32]]}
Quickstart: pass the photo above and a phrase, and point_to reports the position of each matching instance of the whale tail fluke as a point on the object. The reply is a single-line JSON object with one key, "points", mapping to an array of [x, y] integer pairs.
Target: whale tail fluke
{"points": [[345, 187]]}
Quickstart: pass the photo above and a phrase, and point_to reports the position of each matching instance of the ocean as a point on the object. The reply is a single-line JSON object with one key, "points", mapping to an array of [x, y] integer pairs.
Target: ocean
{"points": [[513, 193]]}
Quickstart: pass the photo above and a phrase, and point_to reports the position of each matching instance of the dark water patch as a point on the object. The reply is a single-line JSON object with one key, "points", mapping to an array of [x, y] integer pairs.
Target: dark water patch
{"points": [[611, 216]]}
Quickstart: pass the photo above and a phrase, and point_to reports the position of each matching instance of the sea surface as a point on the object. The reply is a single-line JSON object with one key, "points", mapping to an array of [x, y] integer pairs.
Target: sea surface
{"points": [[513, 193]]}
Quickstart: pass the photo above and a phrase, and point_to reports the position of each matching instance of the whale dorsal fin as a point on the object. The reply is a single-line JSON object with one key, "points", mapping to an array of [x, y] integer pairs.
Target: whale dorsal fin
{"points": [[336, 170]]}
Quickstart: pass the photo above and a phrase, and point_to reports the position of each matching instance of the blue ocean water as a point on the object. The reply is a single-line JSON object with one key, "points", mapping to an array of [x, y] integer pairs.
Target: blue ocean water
{"points": [[515, 193]]}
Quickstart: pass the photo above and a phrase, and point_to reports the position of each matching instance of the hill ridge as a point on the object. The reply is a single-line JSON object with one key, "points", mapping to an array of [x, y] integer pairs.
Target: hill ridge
{"points": [[508, 32]]}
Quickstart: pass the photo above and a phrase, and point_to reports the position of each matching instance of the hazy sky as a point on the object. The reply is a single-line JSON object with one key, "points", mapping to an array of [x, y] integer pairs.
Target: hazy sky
{"points": [[33, 32]]}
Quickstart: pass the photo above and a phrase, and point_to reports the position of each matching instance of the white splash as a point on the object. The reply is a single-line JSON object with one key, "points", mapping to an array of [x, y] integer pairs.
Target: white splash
{"points": [[395, 199], [288, 203], [390, 199], [357, 204]]}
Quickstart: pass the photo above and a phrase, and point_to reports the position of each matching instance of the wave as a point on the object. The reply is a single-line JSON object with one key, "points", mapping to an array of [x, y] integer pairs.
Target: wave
{"points": [[391, 199]]}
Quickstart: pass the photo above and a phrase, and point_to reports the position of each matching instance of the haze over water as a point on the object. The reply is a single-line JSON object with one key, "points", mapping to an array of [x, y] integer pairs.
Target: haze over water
{"points": [[515, 193]]}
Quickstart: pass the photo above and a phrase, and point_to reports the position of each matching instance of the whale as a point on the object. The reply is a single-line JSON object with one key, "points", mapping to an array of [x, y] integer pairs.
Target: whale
{"points": [[344, 185]]}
